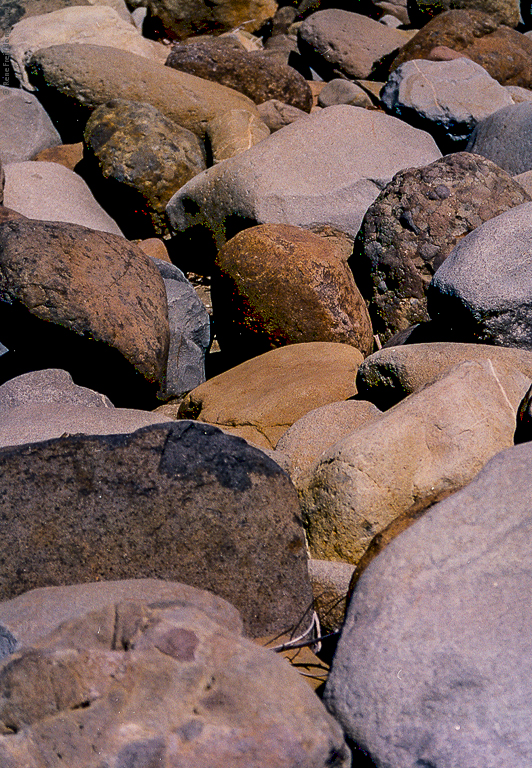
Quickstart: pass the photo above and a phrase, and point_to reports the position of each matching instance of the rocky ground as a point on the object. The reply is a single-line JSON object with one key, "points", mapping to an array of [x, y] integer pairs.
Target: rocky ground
{"points": [[265, 384]]}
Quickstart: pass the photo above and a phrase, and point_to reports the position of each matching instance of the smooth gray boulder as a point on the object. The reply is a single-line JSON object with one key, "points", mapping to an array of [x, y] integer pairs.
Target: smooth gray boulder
{"points": [[445, 98], [25, 127], [482, 292], [326, 169], [51, 385], [505, 138], [433, 666]]}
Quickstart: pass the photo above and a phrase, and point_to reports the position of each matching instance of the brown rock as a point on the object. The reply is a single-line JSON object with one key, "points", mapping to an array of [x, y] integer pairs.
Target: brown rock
{"points": [[176, 20], [276, 114], [68, 155], [253, 73], [155, 248], [264, 396], [87, 283], [413, 226], [277, 284]]}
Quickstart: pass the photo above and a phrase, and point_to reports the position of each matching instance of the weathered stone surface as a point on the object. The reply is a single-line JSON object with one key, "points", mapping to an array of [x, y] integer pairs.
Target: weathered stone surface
{"points": [[177, 20], [276, 114], [504, 53], [389, 375], [506, 12], [234, 132], [338, 42], [330, 585], [224, 61], [74, 79], [381, 477], [339, 91], [519, 94], [333, 181], [316, 431], [505, 138], [93, 25], [52, 192], [25, 126], [433, 664], [482, 291], [68, 155], [415, 223], [48, 386], [179, 501], [262, 397], [445, 98], [277, 284], [80, 282], [12, 11], [135, 159], [28, 618]]}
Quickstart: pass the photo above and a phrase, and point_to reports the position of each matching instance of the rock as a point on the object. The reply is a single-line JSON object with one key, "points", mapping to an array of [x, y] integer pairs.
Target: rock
{"points": [[481, 292], [519, 94], [396, 8], [445, 98], [525, 180], [224, 61], [28, 618], [276, 114], [93, 25], [176, 21], [330, 585], [12, 11], [74, 79], [414, 224], [155, 248], [505, 138], [436, 643], [504, 53], [190, 333], [506, 12], [180, 501], [140, 684], [135, 159], [311, 435], [261, 398], [234, 132], [68, 155], [277, 284], [389, 375], [339, 91], [52, 192], [48, 386], [376, 481], [333, 181], [25, 126], [89, 300], [341, 43]]}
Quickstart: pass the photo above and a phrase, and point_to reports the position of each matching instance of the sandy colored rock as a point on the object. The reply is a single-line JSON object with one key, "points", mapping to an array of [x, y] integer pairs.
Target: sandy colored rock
{"points": [[330, 585], [264, 396], [373, 484], [234, 132], [25, 127], [68, 155]]}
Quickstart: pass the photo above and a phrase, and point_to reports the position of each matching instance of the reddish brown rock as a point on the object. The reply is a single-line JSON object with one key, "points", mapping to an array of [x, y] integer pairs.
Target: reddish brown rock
{"points": [[277, 284]]}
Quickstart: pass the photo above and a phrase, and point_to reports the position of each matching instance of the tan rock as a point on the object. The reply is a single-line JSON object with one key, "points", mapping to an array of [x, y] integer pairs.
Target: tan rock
{"points": [[380, 478], [155, 248], [264, 396], [233, 132], [68, 155], [330, 585]]}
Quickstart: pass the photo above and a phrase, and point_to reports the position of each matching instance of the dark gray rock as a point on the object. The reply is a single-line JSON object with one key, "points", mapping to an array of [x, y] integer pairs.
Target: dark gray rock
{"points": [[181, 501], [25, 127], [51, 385], [483, 290], [505, 138], [433, 665], [415, 223]]}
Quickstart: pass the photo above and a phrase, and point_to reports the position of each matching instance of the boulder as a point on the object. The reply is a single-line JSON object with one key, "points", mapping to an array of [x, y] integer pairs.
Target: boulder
{"points": [[74, 79], [224, 61], [138, 684], [445, 98], [481, 293], [390, 375], [414, 224], [51, 192], [276, 114], [87, 299], [261, 398], [176, 20], [179, 501], [374, 483], [135, 159], [432, 667], [68, 155], [93, 25], [322, 170], [26, 128], [505, 138], [506, 12], [50, 385], [341, 43], [315, 432], [340, 91], [330, 585], [233, 132], [13, 11], [276, 284]]}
